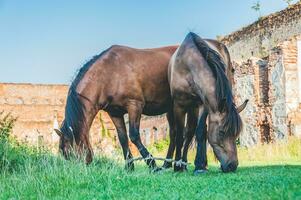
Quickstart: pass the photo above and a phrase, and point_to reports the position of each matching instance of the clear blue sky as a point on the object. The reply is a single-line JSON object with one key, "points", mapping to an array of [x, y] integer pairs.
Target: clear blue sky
{"points": [[47, 41]]}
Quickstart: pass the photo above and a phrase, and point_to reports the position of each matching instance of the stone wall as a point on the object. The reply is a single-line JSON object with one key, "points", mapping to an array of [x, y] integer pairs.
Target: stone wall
{"points": [[36, 107], [265, 57], [277, 95], [272, 86], [40, 108], [260, 37], [245, 80], [292, 84]]}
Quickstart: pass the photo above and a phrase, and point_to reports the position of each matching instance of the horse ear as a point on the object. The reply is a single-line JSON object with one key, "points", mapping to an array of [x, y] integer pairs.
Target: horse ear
{"points": [[242, 106], [58, 132], [222, 105]]}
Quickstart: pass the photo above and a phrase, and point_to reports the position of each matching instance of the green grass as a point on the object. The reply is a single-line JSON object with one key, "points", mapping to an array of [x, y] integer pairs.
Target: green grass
{"points": [[265, 172]]}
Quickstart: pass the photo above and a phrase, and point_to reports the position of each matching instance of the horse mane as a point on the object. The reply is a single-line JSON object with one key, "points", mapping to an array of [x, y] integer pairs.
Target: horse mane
{"points": [[232, 121], [74, 110]]}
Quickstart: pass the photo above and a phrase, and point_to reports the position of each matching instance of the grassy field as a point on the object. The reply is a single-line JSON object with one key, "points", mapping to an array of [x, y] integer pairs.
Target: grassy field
{"points": [[266, 172]]}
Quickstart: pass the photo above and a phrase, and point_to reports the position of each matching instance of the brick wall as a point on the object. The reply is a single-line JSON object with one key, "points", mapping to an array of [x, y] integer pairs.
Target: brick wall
{"points": [[36, 107], [246, 80], [292, 86], [272, 86], [40, 107], [266, 72], [260, 37], [277, 95]]}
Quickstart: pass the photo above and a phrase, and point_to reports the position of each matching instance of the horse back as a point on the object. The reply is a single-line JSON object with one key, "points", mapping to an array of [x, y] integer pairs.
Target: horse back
{"points": [[124, 74]]}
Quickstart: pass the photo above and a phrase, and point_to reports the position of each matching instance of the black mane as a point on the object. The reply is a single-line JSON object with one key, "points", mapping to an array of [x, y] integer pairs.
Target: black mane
{"points": [[223, 92], [74, 111]]}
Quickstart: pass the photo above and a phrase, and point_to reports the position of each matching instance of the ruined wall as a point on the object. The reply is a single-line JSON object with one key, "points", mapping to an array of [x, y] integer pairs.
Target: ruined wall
{"points": [[265, 54], [245, 80], [260, 37], [289, 56], [277, 95], [251, 82], [272, 86], [154, 129], [40, 107], [292, 83], [35, 106]]}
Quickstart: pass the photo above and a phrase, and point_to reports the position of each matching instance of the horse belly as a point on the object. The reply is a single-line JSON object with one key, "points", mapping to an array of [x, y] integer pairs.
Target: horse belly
{"points": [[156, 108]]}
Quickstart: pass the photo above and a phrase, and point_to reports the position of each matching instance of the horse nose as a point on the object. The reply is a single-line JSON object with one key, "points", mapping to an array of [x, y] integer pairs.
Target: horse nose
{"points": [[230, 167]]}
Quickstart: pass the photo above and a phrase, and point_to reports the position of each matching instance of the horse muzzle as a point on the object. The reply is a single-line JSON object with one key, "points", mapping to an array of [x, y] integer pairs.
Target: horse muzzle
{"points": [[229, 167]]}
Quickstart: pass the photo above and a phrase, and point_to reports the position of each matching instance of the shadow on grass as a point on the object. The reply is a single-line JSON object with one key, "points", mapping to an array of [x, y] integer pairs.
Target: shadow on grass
{"points": [[247, 169], [264, 170], [109, 163]]}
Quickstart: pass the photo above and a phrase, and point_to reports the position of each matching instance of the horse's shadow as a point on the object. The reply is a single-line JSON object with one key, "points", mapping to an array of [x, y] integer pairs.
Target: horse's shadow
{"points": [[258, 169], [214, 170]]}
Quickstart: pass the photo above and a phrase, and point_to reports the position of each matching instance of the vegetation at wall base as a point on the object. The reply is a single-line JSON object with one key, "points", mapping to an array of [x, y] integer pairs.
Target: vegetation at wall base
{"points": [[270, 171]]}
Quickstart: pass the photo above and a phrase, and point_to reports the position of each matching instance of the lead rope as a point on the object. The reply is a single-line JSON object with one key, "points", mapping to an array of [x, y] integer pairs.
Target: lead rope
{"points": [[177, 162]]}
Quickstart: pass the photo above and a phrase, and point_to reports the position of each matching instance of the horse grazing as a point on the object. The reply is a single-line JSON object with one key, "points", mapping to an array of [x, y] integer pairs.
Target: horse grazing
{"points": [[120, 80], [192, 115], [199, 86]]}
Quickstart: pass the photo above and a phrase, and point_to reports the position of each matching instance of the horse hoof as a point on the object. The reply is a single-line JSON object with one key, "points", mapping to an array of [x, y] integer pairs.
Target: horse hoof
{"points": [[167, 165], [130, 167], [157, 170], [200, 171], [178, 168]]}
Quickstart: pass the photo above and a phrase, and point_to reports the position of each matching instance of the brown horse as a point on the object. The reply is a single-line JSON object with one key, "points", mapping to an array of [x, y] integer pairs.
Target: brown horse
{"points": [[120, 80], [199, 85]]}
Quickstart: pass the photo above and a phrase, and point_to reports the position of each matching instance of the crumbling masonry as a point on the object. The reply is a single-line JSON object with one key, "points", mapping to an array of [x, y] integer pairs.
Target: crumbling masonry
{"points": [[267, 60]]}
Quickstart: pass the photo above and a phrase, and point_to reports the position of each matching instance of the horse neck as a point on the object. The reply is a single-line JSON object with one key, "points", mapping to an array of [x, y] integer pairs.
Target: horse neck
{"points": [[79, 115]]}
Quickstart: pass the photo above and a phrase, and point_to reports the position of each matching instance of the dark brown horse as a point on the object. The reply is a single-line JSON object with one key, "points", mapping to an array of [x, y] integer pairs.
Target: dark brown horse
{"points": [[199, 85], [120, 80]]}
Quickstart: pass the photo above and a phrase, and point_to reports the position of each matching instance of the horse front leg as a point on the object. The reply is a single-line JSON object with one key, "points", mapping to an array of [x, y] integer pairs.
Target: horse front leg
{"points": [[135, 111], [118, 121], [85, 149], [200, 161]]}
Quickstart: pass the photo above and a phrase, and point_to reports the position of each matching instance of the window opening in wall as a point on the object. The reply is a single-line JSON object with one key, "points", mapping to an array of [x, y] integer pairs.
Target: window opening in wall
{"points": [[265, 132], [264, 87]]}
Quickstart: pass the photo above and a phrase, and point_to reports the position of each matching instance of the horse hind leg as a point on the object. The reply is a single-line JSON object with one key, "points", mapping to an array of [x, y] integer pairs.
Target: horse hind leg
{"points": [[172, 140], [192, 119], [118, 121], [179, 117], [135, 111]]}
